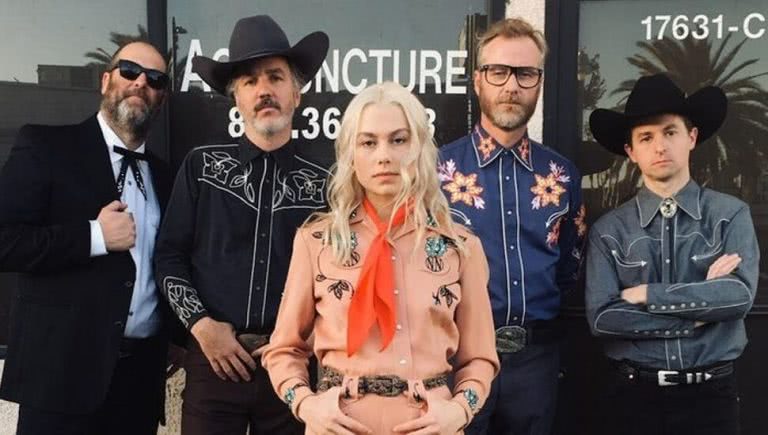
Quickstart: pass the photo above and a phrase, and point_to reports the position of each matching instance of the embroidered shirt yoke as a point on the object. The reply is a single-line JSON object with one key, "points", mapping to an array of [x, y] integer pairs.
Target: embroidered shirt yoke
{"points": [[226, 240], [637, 244], [525, 205]]}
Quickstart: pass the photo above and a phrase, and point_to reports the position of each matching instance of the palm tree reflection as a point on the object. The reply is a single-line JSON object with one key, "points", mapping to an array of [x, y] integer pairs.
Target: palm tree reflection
{"points": [[733, 159]]}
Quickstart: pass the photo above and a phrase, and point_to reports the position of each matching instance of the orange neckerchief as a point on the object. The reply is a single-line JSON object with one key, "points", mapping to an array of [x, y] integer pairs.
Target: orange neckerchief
{"points": [[374, 299]]}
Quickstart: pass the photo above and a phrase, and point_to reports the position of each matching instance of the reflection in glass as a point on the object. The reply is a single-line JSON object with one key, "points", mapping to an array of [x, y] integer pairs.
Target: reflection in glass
{"points": [[735, 160]]}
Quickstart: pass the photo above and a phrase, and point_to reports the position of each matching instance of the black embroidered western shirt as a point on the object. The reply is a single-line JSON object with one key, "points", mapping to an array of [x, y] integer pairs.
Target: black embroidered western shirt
{"points": [[225, 243], [636, 244]]}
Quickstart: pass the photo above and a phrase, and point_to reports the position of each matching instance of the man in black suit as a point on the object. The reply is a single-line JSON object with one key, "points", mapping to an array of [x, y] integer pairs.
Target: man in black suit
{"points": [[79, 209]]}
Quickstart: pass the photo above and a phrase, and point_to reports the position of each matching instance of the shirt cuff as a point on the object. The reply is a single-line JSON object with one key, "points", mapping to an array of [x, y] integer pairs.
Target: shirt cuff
{"points": [[98, 245], [467, 397], [297, 390]]}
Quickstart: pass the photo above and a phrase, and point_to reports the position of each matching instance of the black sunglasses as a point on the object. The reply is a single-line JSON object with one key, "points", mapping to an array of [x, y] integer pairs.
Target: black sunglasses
{"points": [[132, 70]]}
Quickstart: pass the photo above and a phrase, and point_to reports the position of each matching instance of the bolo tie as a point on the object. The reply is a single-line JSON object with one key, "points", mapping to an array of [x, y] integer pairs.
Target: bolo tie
{"points": [[668, 207], [130, 159]]}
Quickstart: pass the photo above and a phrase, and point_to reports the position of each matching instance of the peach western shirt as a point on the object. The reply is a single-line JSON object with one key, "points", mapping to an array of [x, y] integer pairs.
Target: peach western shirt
{"points": [[443, 312]]}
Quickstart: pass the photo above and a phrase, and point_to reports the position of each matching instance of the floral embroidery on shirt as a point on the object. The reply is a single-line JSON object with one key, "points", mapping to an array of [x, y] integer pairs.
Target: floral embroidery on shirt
{"points": [[435, 247], [354, 256], [548, 189], [487, 146], [217, 165], [431, 222], [447, 295], [554, 234], [462, 187], [580, 221], [524, 148], [339, 286], [311, 186]]}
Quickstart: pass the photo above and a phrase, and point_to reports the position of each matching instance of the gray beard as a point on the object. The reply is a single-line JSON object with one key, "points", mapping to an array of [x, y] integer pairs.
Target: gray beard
{"points": [[136, 122], [270, 129], [511, 120]]}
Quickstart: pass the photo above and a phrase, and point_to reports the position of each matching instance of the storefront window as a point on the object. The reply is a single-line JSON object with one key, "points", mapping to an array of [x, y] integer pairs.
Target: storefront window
{"points": [[53, 55], [422, 45], [697, 43]]}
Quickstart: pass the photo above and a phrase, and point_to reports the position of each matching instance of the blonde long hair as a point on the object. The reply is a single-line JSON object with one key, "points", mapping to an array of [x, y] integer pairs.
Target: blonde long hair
{"points": [[428, 205]]}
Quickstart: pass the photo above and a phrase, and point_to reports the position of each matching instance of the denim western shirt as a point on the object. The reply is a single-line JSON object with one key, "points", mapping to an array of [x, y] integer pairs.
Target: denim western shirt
{"points": [[225, 243], [635, 244], [524, 203]]}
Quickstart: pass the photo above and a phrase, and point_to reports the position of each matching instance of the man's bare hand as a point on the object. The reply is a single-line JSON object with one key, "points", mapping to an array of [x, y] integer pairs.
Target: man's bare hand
{"points": [[636, 295], [227, 357], [117, 226], [723, 266]]}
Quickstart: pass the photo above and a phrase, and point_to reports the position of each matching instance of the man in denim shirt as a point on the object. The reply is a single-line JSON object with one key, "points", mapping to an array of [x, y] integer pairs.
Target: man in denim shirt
{"points": [[671, 273], [523, 200]]}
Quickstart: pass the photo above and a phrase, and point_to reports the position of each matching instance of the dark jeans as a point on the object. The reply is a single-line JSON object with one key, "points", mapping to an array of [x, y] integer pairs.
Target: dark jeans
{"points": [[643, 408], [215, 407], [523, 396], [133, 406]]}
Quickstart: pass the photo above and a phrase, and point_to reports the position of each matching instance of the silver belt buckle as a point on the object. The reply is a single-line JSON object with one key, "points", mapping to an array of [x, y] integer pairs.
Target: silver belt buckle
{"points": [[510, 339], [662, 375]]}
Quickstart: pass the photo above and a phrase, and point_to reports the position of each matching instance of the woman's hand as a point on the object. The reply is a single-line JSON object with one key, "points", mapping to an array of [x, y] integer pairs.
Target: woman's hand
{"points": [[443, 417], [321, 413]]}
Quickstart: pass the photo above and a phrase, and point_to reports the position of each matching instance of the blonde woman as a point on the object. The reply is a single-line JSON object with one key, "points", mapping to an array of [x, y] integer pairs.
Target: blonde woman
{"points": [[391, 288]]}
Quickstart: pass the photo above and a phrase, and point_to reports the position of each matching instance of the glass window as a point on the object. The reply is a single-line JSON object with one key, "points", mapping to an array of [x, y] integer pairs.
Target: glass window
{"points": [[53, 55], [697, 43], [420, 44]]}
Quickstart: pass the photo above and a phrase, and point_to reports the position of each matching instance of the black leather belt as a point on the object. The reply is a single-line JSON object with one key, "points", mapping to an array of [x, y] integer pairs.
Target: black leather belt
{"points": [[387, 385], [666, 378], [250, 341], [513, 339]]}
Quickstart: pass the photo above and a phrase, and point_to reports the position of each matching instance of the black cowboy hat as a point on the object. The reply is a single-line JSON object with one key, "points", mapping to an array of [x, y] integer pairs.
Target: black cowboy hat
{"points": [[257, 37], [657, 95]]}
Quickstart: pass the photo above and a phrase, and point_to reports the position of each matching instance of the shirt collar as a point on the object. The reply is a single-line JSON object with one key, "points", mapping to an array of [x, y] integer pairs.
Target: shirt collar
{"points": [[284, 156], [487, 148], [687, 199], [113, 140], [359, 216]]}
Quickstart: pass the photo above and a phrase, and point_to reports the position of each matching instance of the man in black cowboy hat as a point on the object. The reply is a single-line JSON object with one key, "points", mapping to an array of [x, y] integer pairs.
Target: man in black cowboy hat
{"points": [[672, 273], [224, 247]]}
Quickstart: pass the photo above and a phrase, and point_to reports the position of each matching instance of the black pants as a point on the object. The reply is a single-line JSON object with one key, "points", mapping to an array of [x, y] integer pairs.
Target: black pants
{"points": [[643, 408], [523, 396], [134, 402], [215, 407]]}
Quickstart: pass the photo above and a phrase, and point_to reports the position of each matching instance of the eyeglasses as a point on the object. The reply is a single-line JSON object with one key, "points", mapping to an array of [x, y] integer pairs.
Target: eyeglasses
{"points": [[497, 74], [132, 70]]}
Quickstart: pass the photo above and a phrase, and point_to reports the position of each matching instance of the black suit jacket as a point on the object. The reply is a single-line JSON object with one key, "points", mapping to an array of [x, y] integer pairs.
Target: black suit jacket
{"points": [[70, 311]]}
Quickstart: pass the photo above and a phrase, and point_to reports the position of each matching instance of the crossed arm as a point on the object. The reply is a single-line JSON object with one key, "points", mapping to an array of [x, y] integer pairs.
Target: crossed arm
{"points": [[638, 312]]}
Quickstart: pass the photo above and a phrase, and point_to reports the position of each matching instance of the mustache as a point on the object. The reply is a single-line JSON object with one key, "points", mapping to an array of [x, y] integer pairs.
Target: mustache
{"points": [[267, 103], [141, 93], [508, 99]]}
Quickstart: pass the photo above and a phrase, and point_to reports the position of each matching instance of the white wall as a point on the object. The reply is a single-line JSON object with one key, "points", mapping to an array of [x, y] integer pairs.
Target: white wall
{"points": [[533, 12], [8, 413]]}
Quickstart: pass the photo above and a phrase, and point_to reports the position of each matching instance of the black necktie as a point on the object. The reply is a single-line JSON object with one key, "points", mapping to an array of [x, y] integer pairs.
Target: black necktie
{"points": [[130, 158]]}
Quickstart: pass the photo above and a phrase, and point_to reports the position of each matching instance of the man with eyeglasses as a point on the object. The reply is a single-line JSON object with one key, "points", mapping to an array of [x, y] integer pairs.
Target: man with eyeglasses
{"points": [[523, 200], [79, 210]]}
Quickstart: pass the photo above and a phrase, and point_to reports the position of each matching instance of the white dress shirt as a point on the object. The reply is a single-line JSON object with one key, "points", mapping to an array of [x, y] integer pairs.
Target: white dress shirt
{"points": [[143, 316]]}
